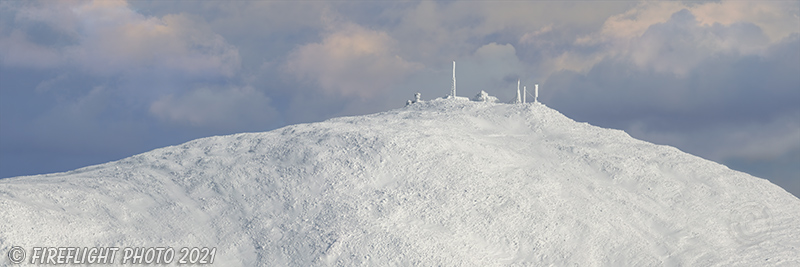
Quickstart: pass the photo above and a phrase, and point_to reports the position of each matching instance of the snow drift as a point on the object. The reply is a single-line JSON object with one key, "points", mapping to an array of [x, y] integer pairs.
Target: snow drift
{"points": [[437, 183]]}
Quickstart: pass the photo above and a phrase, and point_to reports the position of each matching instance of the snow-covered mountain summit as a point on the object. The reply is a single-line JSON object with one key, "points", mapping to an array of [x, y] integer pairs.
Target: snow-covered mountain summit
{"points": [[437, 183]]}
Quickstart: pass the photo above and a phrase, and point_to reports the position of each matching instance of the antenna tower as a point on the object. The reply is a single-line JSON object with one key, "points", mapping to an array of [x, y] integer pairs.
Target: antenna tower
{"points": [[524, 93], [453, 88]]}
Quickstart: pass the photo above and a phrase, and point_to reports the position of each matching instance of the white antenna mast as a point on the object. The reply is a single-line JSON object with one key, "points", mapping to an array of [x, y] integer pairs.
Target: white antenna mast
{"points": [[453, 90], [536, 93], [524, 93], [519, 99]]}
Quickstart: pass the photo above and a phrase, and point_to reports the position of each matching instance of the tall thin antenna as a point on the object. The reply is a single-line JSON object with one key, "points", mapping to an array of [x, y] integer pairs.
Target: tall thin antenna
{"points": [[453, 89], [524, 93], [519, 99], [536, 93]]}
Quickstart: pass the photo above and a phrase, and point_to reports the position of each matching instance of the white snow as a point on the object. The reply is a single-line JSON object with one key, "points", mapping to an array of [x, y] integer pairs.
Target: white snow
{"points": [[483, 96], [437, 183]]}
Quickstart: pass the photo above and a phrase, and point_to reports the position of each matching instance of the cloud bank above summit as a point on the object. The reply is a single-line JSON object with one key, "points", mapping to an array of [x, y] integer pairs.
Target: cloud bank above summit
{"points": [[85, 82]]}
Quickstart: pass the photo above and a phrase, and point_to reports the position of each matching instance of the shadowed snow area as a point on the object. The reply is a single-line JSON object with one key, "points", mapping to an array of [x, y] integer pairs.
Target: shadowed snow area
{"points": [[437, 183]]}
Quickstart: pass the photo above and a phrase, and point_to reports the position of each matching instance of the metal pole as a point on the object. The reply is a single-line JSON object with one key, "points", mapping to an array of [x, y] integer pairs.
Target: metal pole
{"points": [[453, 91]]}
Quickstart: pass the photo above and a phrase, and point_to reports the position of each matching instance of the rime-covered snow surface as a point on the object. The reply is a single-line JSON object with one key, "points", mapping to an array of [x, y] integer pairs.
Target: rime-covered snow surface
{"points": [[437, 183]]}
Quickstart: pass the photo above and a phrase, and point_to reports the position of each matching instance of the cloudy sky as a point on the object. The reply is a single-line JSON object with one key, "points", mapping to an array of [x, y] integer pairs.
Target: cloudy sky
{"points": [[87, 82]]}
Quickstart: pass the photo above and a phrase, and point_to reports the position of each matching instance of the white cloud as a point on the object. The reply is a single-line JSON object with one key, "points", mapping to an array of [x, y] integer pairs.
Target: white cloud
{"points": [[633, 23], [351, 61], [155, 55], [56, 14], [778, 19], [680, 44], [110, 38], [530, 37], [17, 50], [673, 37], [370, 57], [492, 68], [433, 32]]}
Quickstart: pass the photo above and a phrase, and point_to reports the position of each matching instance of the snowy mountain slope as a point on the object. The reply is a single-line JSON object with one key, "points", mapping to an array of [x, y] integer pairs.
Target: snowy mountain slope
{"points": [[442, 182]]}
